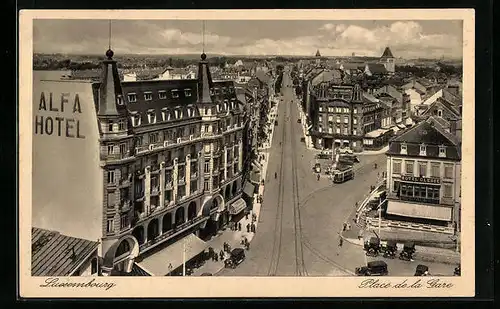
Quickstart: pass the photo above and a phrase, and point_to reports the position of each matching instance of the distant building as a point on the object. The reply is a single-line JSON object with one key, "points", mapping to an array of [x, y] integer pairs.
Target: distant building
{"points": [[388, 60], [375, 69]]}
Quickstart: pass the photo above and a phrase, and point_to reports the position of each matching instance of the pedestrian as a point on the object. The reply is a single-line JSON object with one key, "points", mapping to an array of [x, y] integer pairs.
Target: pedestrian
{"points": [[216, 257], [344, 228], [221, 255], [246, 216], [348, 226], [248, 227], [340, 241], [239, 226]]}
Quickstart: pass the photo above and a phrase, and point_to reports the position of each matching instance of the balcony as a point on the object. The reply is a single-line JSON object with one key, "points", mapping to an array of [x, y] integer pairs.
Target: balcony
{"points": [[117, 156], [125, 206], [194, 175], [155, 190], [168, 185], [139, 196], [126, 181]]}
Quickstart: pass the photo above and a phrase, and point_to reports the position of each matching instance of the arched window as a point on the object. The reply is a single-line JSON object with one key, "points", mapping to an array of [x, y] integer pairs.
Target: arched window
{"points": [[123, 248]]}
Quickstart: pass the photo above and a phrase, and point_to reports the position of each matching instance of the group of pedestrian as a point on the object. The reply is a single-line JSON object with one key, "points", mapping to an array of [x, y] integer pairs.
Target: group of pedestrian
{"points": [[212, 255], [235, 226], [259, 199], [346, 227]]}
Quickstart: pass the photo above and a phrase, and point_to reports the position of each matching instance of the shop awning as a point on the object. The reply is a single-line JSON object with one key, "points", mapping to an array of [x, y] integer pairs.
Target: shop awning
{"points": [[249, 189], [375, 133], [395, 129], [401, 126], [162, 262], [237, 206], [440, 213], [338, 141]]}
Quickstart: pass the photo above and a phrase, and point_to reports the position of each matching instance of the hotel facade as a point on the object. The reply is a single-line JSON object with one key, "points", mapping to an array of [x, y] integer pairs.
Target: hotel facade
{"points": [[139, 166]]}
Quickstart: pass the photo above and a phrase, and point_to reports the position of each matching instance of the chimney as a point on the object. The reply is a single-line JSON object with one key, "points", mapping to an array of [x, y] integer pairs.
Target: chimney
{"points": [[204, 81], [110, 90]]}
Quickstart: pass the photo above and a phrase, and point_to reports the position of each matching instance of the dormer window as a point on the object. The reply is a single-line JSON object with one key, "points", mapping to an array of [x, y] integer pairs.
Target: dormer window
{"points": [[176, 113], [187, 92], [136, 120], [440, 113], [132, 97], [175, 93], [110, 126], [442, 151], [423, 150], [162, 94], [148, 96], [151, 116], [189, 112], [404, 148], [119, 99]]}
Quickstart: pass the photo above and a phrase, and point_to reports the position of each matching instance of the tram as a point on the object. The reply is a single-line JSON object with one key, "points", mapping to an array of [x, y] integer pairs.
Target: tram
{"points": [[342, 173]]}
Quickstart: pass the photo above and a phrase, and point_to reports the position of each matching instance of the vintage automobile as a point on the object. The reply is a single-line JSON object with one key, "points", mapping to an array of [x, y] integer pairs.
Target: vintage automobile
{"points": [[372, 246], [374, 268], [421, 270], [390, 249], [236, 257], [408, 251]]}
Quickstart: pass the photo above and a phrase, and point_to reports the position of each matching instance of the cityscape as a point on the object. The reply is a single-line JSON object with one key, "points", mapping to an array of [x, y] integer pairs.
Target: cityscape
{"points": [[233, 154]]}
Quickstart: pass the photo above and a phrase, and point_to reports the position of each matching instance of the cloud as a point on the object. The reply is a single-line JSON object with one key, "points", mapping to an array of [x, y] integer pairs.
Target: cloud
{"points": [[405, 38]]}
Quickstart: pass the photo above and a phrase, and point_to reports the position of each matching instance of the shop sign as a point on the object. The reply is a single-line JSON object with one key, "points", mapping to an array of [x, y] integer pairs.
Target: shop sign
{"points": [[421, 179]]}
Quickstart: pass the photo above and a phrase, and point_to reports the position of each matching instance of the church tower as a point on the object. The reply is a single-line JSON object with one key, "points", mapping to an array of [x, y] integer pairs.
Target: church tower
{"points": [[387, 60], [318, 58]]}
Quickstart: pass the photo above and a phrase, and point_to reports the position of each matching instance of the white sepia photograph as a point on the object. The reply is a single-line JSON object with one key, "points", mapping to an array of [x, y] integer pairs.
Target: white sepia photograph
{"points": [[247, 153]]}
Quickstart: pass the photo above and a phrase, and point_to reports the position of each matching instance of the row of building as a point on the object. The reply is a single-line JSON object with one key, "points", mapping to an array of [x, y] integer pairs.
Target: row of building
{"points": [[139, 168]]}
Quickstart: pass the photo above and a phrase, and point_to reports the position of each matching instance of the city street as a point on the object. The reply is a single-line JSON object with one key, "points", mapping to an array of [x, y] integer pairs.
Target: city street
{"points": [[301, 217]]}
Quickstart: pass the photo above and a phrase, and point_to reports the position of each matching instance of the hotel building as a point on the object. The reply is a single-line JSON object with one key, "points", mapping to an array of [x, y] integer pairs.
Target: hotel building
{"points": [[424, 179], [140, 167]]}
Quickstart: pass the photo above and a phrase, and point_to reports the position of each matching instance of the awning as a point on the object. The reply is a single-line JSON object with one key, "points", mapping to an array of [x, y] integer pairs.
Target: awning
{"points": [[346, 141], [163, 262], [440, 213], [338, 141], [237, 206], [401, 126], [395, 129], [375, 133], [249, 189]]}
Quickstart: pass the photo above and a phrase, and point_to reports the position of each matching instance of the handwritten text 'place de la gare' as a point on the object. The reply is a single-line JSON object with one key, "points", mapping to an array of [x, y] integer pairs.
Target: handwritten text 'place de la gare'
{"points": [[405, 284]]}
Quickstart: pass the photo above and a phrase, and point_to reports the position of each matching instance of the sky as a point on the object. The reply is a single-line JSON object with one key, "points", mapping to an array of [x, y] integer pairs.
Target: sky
{"points": [[406, 38]]}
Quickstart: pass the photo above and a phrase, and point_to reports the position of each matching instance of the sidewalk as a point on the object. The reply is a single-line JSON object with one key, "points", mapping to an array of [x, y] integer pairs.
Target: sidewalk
{"points": [[233, 238]]}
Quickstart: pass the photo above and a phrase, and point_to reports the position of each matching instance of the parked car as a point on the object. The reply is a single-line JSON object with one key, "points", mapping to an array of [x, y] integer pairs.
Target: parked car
{"points": [[374, 268], [237, 257]]}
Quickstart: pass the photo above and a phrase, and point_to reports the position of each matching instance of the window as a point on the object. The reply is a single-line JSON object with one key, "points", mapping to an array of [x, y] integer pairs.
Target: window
{"points": [[396, 167], [153, 137], [330, 118], [442, 151], [111, 149], [447, 190], [176, 112], [111, 200], [448, 171], [346, 110], [110, 126], [136, 120], [139, 140], [207, 166], [119, 100], [354, 143], [409, 167], [395, 188], [132, 97], [187, 92], [320, 129], [109, 227], [354, 132], [355, 110], [194, 186], [206, 185], [151, 117], [440, 113], [123, 148], [148, 96], [320, 108], [346, 119], [338, 119], [175, 94], [346, 131], [123, 222], [423, 150], [121, 125], [337, 130], [355, 121], [422, 168], [320, 118], [162, 94], [403, 148], [435, 170], [330, 130]]}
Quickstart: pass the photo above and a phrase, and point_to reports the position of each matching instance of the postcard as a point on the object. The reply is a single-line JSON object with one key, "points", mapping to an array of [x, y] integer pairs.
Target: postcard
{"points": [[246, 153]]}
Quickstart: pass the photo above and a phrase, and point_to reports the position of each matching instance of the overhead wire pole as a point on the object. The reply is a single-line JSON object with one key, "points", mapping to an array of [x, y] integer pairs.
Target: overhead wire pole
{"points": [[109, 36]]}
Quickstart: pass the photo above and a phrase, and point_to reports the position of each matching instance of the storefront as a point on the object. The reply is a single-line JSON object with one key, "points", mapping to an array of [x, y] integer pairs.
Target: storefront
{"points": [[419, 213]]}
